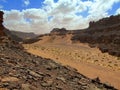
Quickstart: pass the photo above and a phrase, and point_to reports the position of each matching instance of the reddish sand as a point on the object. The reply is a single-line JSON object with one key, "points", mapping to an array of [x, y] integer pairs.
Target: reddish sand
{"points": [[88, 61]]}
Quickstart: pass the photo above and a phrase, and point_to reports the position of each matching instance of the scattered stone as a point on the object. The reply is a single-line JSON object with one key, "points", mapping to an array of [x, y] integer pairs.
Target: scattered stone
{"points": [[26, 87], [34, 74], [9, 79], [53, 65], [62, 79], [47, 83]]}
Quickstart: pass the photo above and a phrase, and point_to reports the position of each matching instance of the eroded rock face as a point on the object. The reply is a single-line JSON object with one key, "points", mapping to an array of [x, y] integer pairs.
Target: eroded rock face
{"points": [[1, 26], [1, 16]]}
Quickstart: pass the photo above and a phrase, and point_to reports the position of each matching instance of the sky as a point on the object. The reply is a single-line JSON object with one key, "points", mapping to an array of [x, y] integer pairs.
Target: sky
{"points": [[41, 16]]}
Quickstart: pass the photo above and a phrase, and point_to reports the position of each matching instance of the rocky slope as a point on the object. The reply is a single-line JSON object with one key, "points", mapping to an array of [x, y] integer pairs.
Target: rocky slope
{"points": [[20, 70]]}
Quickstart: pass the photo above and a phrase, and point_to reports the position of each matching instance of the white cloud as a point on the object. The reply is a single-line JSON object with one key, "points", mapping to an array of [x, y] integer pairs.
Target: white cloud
{"points": [[99, 8], [58, 14], [30, 20], [26, 2], [34, 13], [13, 15], [117, 11]]}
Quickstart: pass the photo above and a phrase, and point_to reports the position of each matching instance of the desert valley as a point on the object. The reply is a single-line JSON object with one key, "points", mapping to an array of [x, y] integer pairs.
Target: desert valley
{"points": [[83, 59]]}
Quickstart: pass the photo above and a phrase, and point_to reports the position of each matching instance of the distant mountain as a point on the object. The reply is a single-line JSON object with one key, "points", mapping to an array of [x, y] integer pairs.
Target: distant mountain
{"points": [[24, 35], [19, 36], [12, 36]]}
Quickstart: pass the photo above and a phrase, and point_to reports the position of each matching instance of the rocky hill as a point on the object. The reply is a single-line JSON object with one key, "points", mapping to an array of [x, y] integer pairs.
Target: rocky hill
{"points": [[104, 34], [20, 70], [57, 31]]}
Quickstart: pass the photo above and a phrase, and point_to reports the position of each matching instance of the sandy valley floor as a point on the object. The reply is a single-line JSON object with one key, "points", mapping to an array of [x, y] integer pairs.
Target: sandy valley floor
{"points": [[88, 61]]}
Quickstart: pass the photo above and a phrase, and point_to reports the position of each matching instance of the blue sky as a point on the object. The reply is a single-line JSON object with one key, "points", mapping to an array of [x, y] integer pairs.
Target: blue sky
{"points": [[19, 4], [41, 16], [114, 8]]}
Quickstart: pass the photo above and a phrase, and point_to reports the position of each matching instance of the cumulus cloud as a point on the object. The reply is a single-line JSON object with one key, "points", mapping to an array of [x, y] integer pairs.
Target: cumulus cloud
{"points": [[99, 8], [30, 20], [63, 13]]}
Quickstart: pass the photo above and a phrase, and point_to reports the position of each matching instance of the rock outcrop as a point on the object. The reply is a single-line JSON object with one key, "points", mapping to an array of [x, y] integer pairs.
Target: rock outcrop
{"points": [[5, 34], [57, 31], [1, 26]]}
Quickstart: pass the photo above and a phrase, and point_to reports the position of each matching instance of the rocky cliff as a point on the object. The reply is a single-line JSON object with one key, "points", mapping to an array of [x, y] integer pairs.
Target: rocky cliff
{"points": [[104, 34], [105, 22]]}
